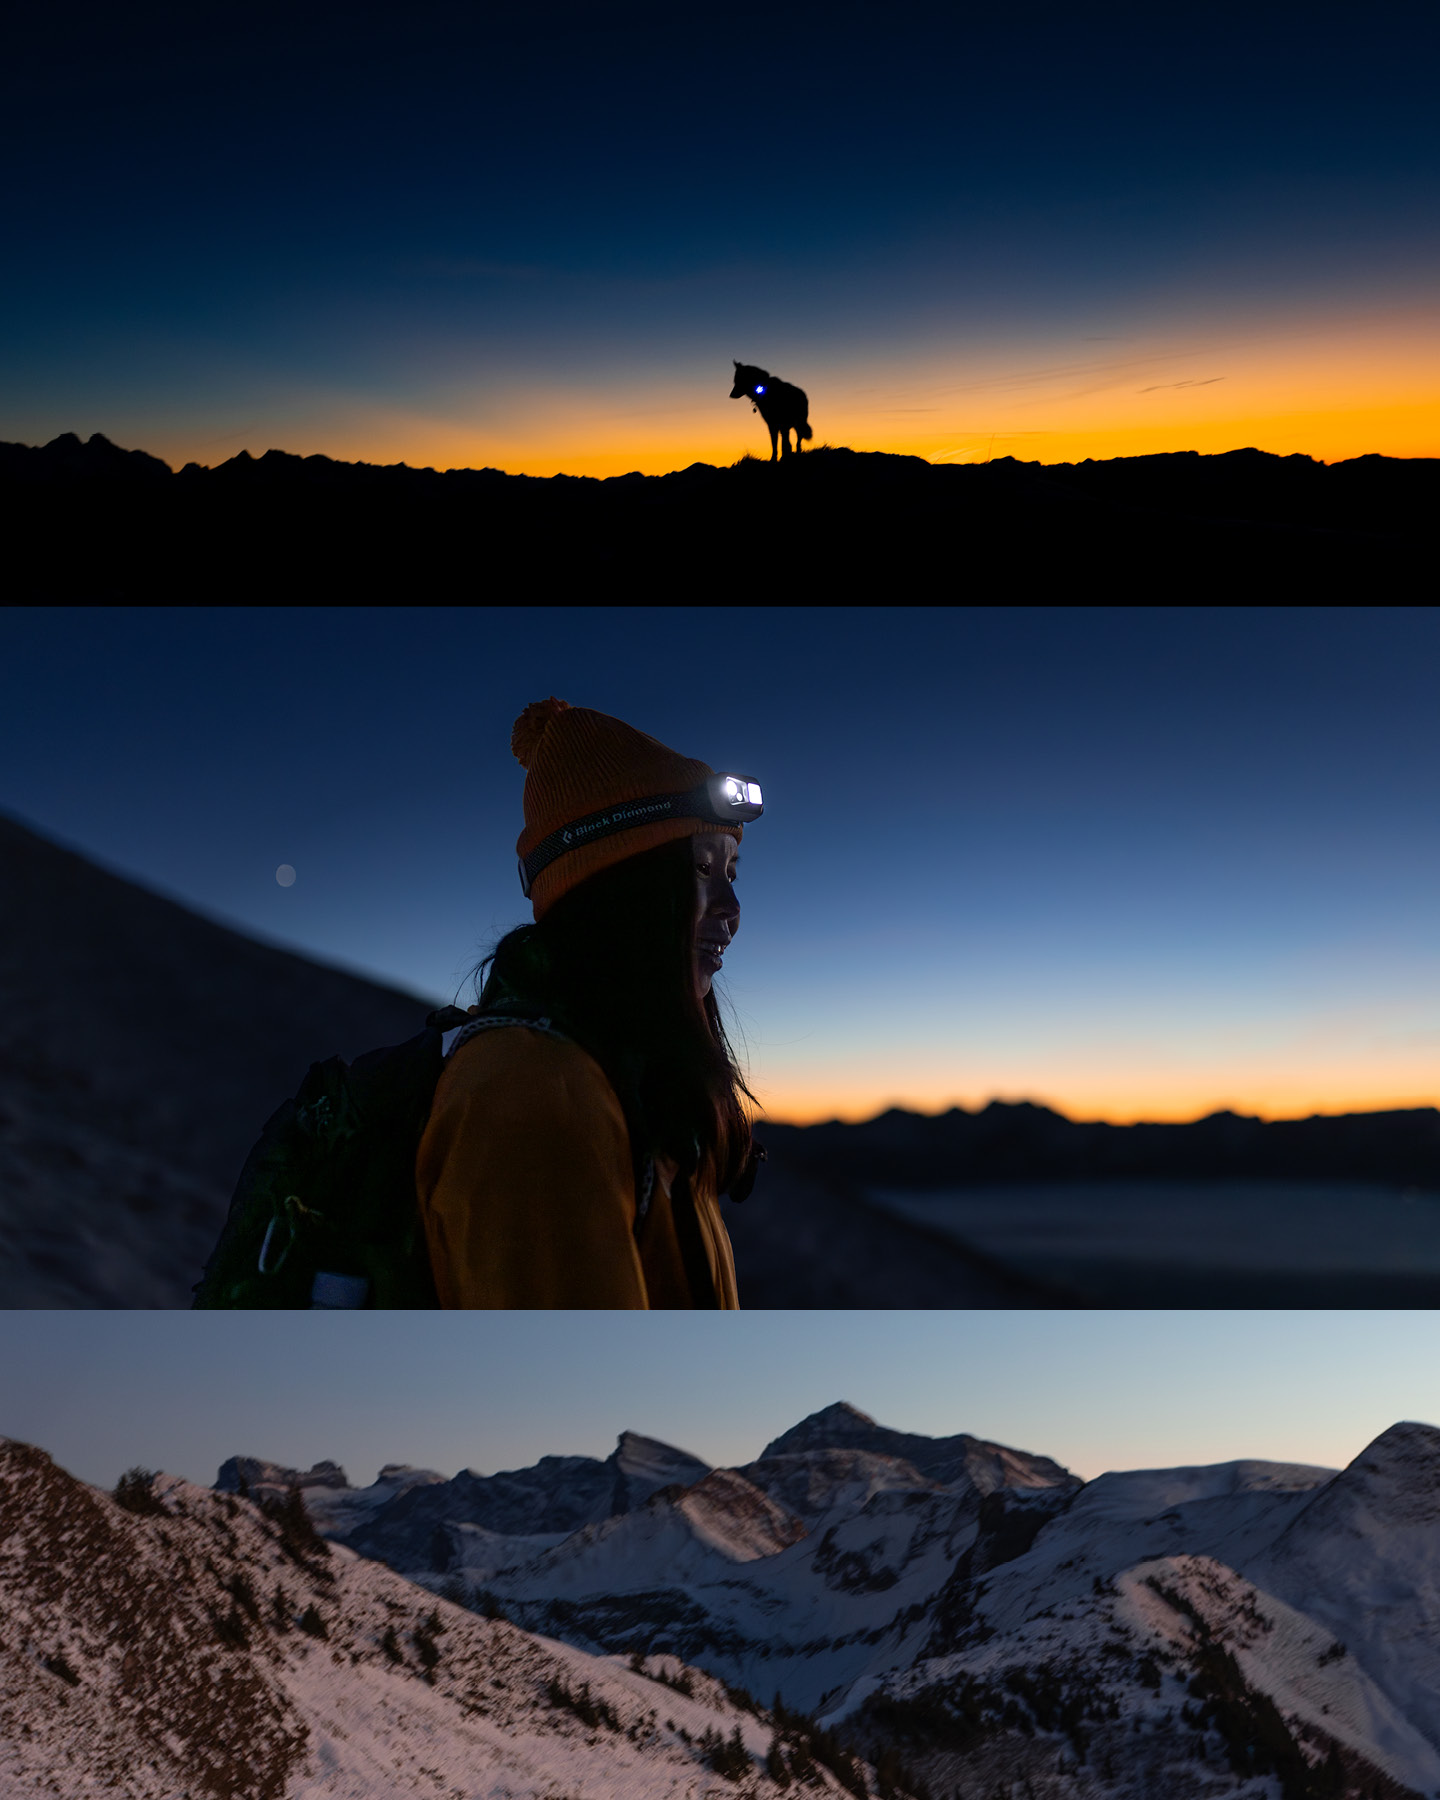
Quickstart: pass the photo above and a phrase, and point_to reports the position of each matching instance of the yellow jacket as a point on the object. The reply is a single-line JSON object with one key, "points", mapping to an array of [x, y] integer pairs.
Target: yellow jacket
{"points": [[527, 1188]]}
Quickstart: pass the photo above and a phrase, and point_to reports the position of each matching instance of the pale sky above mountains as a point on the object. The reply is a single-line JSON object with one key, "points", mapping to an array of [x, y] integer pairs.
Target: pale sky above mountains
{"points": [[1096, 1391]]}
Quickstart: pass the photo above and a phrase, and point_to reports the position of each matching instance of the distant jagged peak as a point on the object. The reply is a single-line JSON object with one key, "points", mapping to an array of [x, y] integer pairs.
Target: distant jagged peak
{"points": [[834, 1427], [255, 1472], [644, 1464], [633, 1449]]}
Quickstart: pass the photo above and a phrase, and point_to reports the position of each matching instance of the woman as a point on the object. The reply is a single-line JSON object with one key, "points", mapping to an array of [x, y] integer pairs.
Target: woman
{"points": [[577, 1160]]}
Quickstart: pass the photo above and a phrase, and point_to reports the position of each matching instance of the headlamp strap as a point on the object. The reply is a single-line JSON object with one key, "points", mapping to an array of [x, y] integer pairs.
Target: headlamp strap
{"points": [[696, 803], [602, 824]]}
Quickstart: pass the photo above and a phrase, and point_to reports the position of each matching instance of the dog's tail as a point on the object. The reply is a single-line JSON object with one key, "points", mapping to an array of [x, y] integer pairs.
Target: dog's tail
{"points": [[805, 432]]}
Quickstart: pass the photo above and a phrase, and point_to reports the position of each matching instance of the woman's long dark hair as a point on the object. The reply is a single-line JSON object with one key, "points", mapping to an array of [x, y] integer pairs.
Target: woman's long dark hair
{"points": [[613, 961]]}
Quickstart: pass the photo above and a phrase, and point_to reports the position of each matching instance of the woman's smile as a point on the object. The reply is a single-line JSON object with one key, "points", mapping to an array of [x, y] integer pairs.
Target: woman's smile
{"points": [[717, 911]]}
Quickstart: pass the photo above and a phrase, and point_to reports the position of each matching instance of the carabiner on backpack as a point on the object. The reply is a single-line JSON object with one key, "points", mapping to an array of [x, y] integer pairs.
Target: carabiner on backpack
{"points": [[292, 1204]]}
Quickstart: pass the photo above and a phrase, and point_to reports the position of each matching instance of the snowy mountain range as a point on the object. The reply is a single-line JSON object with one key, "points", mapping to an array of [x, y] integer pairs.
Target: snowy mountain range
{"points": [[1249, 1628], [172, 1642]]}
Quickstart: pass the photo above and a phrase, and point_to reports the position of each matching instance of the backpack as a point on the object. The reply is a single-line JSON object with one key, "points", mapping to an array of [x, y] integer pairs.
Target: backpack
{"points": [[324, 1214]]}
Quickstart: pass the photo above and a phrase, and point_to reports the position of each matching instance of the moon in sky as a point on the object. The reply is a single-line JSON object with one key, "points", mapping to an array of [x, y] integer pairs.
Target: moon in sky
{"points": [[285, 875]]}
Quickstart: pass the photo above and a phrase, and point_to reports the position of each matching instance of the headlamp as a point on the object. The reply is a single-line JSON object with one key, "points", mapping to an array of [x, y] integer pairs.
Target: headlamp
{"points": [[720, 800]]}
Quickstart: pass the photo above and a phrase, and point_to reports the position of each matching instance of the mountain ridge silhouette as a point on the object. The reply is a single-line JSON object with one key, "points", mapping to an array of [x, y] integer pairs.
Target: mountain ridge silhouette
{"points": [[96, 520]]}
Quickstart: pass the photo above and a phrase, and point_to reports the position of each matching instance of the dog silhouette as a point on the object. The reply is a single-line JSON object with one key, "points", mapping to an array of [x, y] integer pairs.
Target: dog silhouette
{"points": [[783, 408]]}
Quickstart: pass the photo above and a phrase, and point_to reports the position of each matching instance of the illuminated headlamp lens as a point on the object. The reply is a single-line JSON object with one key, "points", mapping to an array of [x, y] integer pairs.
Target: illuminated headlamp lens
{"points": [[735, 797]]}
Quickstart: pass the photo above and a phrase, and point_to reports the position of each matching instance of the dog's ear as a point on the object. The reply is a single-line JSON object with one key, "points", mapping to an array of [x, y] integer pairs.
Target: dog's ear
{"points": [[736, 361]]}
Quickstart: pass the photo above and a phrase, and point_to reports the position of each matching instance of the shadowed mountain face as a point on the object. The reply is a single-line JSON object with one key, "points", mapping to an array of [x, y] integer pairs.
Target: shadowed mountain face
{"points": [[129, 527], [141, 1050]]}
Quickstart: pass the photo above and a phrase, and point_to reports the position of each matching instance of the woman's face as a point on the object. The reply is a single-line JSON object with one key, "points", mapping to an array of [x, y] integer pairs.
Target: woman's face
{"points": [[717, 911]]}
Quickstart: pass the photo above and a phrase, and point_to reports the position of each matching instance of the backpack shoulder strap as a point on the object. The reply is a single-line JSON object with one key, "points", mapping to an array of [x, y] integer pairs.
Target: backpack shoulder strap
{"points": [[450, 1041]]}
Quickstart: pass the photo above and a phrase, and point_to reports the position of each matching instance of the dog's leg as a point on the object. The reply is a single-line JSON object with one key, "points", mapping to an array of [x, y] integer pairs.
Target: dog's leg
{"points": [[774, 441]]}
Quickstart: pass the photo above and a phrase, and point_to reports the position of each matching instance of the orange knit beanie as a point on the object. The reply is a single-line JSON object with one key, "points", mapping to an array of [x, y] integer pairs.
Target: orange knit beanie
{"points": [[577, 762]]}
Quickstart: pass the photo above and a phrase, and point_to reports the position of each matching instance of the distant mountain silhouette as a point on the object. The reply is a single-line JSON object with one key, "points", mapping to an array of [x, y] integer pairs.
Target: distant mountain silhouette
{"points": [[1019, 1141], [92, 521]]}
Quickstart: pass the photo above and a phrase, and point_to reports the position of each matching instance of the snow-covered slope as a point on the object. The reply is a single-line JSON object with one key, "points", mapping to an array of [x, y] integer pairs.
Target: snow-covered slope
{"points": [[202, 1650], [1245, 1628], [1176, 1678], [693, 1534], [1364, 1559], [798, 1573], [1180, 1628]]}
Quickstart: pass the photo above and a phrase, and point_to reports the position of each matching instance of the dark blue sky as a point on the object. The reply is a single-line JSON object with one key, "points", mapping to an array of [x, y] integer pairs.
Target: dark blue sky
{"points": [[1131, 861], [465, 232]]}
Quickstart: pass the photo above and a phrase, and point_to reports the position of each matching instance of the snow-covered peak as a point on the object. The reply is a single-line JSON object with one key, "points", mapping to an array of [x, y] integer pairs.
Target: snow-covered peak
{"points": [[1364, 1558], [644, 1464], [834, 1427], [1397, 1477]]}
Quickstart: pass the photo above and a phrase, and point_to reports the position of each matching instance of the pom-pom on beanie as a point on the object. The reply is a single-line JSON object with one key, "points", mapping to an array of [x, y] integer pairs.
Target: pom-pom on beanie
{"points": [[577, 762]]}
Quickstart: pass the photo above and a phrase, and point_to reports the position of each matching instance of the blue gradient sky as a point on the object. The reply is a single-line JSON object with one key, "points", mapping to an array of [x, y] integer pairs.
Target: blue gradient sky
{"points": [[536, 237], [182, 1391], [1129, 862]]}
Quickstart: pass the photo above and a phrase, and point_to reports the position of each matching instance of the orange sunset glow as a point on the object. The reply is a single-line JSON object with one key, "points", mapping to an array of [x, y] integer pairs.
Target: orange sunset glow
{"points": [[1353, 385]]}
